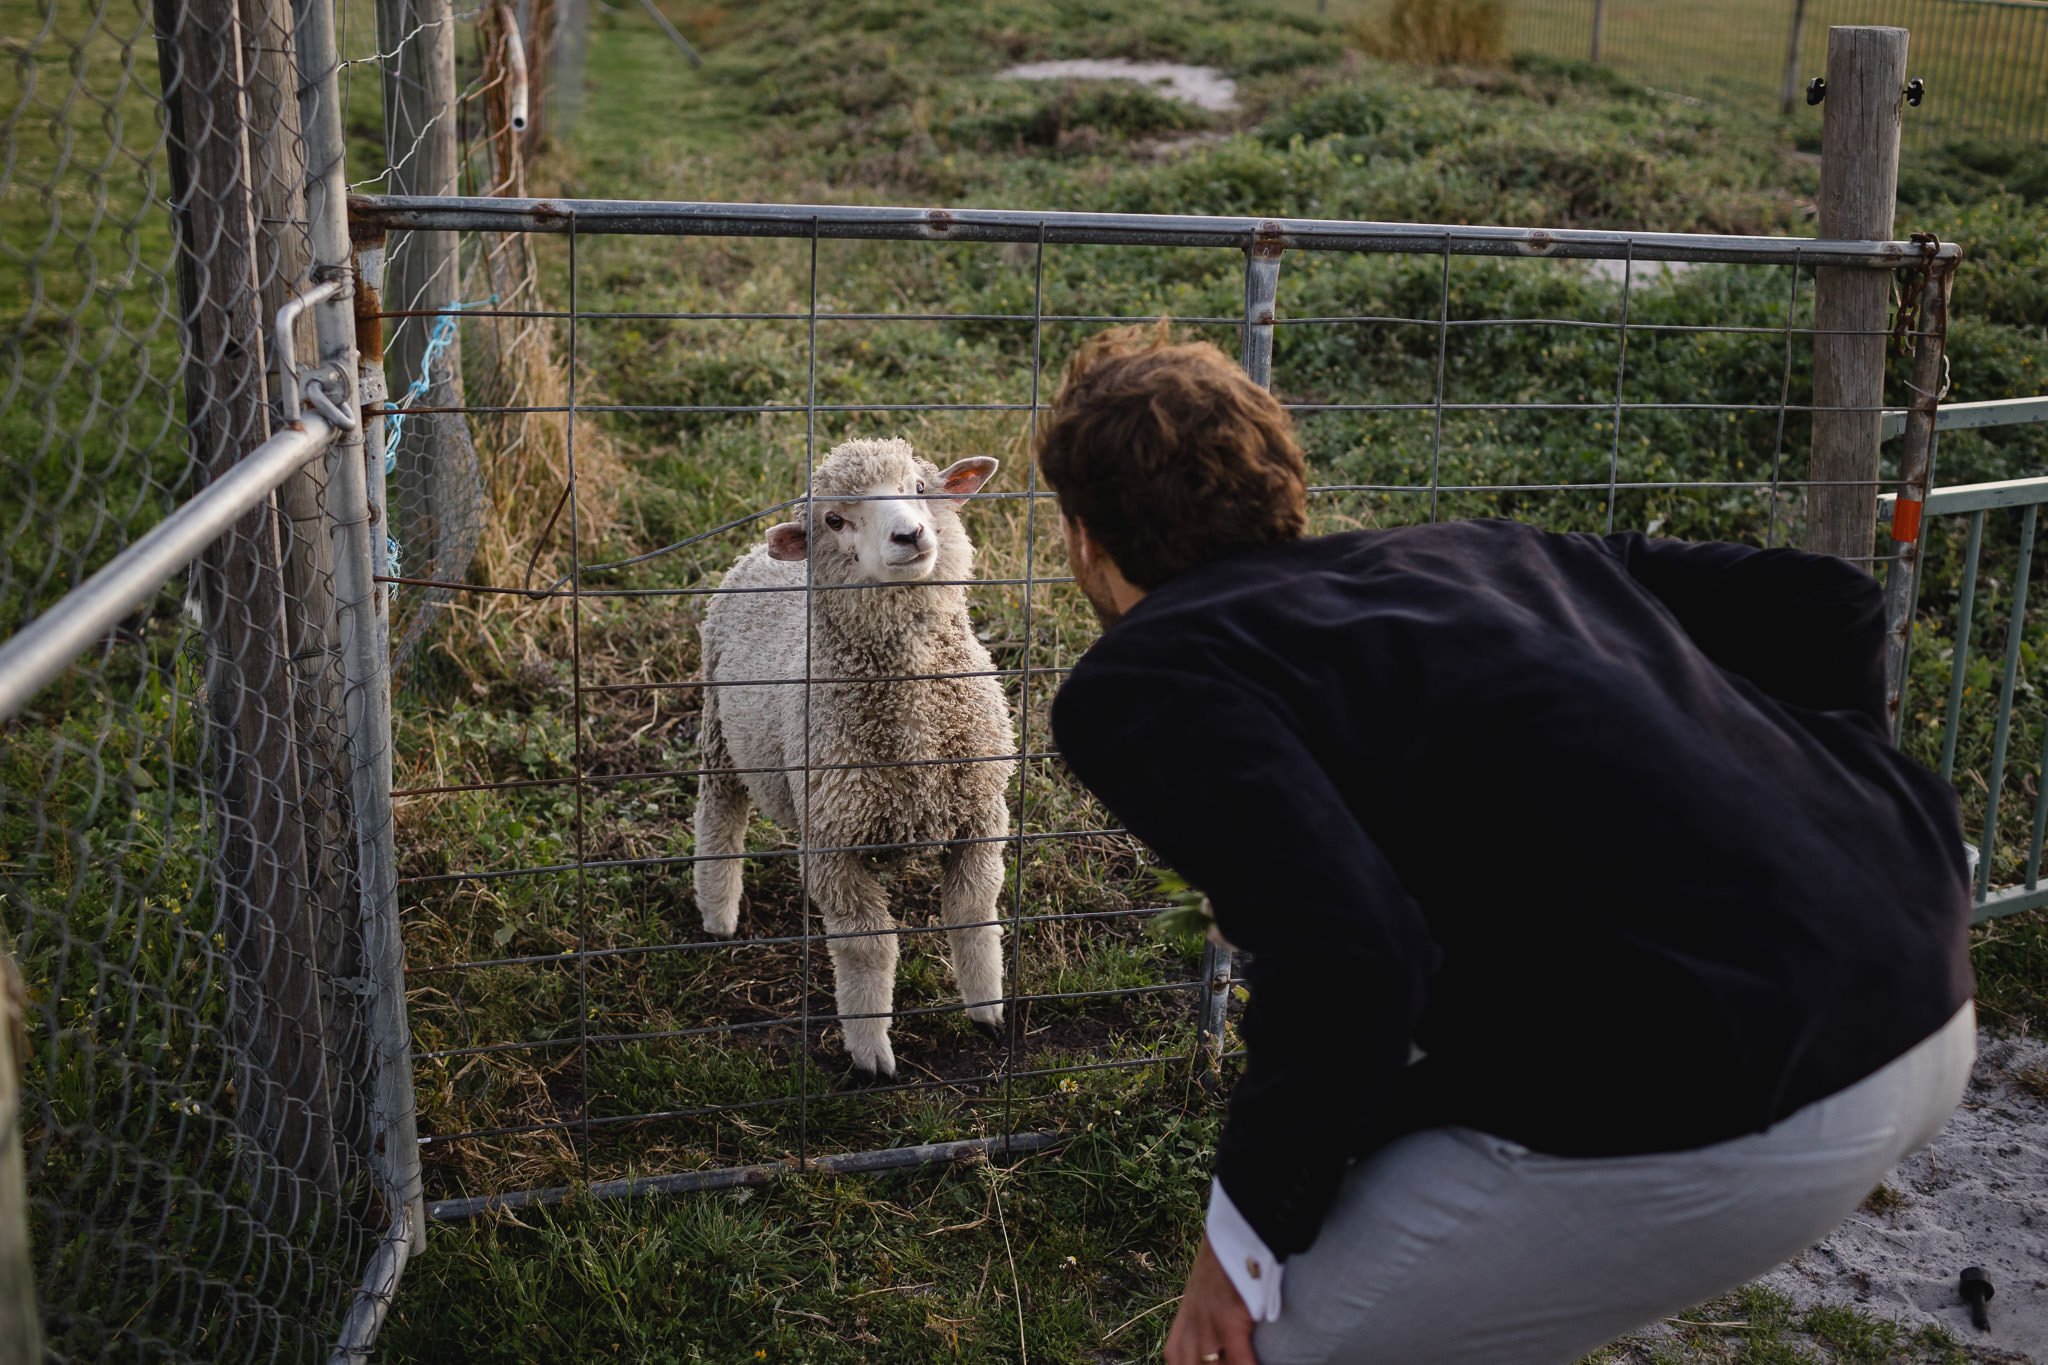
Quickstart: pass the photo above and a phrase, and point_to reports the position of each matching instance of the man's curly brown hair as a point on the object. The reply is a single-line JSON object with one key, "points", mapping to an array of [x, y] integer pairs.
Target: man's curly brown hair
{"points": [[1169, 454]]}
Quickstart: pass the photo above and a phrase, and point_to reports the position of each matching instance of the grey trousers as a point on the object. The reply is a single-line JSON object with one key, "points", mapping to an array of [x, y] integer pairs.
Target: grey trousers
{"points": [[1453, 1246]]}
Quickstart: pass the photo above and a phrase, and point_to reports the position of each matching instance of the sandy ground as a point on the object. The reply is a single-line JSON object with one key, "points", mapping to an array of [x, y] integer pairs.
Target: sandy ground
{"points": [[1977, 1196], [1202, 86]]}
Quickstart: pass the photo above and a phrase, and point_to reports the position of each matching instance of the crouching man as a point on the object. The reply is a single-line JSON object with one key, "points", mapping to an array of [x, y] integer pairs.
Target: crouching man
{"points": [[1603, 953]]}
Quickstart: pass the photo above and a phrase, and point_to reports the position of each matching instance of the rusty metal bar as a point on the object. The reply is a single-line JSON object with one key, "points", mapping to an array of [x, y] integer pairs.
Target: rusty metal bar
{"points": [[1901, 584], [729, 1177], [870, 223]]}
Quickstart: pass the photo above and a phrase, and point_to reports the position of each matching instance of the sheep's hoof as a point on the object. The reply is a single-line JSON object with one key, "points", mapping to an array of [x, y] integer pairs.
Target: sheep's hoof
{"points": [[992, 1031], [877, 1064], [722, 930]]}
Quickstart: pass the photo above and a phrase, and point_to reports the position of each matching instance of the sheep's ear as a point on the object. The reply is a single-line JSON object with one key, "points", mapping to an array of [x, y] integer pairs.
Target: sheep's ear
{"points": [[788, 541], [964, 478]]}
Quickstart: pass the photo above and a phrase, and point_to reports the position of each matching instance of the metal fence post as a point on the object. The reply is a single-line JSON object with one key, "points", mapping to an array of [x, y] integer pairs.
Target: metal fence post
{"points": [[1261, 290], [1902, 575], [275, 1010], [1859, 177], [355, 513]]}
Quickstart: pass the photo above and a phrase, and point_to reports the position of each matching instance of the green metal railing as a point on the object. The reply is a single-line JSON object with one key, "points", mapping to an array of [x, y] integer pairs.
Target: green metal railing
{"points": [[1976, 503]]}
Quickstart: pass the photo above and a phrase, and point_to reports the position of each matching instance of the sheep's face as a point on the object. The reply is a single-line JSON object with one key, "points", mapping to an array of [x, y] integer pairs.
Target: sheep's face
{"points": [[880, 514]]}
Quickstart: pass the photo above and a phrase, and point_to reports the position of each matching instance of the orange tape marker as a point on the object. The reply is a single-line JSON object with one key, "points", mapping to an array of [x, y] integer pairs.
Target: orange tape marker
{"points": [[1906, 520]]}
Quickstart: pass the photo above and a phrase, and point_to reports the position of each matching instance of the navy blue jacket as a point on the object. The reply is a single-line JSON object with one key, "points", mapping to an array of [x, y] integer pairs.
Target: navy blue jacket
{"points": [[1609, 828]]}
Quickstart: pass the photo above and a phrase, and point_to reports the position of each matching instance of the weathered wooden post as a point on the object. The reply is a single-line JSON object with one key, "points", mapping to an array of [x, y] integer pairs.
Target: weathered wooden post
{"points": [[1859, 175], [439, 507], [284, 262], [1790, 93], [1599, 29], [21, 1336], [253, 760]]}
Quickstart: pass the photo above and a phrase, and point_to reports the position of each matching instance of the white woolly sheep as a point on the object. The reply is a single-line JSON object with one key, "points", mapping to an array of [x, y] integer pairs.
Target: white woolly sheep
{"points": [[878, 515]]}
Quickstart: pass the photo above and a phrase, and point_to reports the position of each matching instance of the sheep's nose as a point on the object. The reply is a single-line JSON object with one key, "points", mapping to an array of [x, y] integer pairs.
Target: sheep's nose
{"points": [[910, 537]]}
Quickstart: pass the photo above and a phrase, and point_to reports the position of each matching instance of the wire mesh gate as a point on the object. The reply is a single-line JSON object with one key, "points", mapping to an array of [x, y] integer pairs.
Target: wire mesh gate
{"points": [[573, 1025]]}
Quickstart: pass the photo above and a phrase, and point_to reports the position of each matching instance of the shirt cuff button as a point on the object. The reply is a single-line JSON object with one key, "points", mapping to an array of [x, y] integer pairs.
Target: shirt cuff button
{"points": [[1251, 1266]]}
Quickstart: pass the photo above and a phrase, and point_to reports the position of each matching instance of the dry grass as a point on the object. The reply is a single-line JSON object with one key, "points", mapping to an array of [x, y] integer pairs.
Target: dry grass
{"points": [[1438, 33]]}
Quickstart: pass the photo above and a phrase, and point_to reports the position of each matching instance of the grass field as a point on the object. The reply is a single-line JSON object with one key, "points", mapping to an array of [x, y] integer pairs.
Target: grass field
{"points": [[1075, 1255], [552, 1009], [1982, 63]]}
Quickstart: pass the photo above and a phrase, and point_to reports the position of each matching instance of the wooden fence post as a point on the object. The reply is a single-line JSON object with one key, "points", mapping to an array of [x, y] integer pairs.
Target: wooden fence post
{"points": [[284, 259], [252, 755], [1859, 175], [20, 1327], [1599, 28], [438, 502], [1789, 95]]}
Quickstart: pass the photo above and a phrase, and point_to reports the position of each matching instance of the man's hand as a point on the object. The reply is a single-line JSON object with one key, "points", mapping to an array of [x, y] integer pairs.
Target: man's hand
{"points": [[1213, 1327]]}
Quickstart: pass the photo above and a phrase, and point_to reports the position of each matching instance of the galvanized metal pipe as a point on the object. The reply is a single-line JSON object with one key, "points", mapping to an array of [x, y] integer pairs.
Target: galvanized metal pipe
{"points": [[44, 648], [355, 518], [2040, 816], [2014, 631], [284, 331], [373, 1297], [1995, 412], [1261, 299], [517, 94], [872, 223], [1985, 497], [1965, 610], [728, 1177]]}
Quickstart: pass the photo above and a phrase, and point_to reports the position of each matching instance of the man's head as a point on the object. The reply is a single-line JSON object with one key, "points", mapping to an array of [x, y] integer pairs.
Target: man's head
{"points": [[1165, 455]]}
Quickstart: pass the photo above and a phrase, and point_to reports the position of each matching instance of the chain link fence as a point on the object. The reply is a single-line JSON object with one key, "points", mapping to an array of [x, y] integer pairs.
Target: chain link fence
{"points": [[195, 831]]}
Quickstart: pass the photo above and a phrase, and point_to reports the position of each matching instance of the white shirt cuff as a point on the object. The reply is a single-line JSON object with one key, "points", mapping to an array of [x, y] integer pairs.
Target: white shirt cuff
{"points": [[1253, 1270]]}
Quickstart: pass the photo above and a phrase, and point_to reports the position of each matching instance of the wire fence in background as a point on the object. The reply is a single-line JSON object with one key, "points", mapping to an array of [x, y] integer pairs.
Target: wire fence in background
{"points": [[573, 1026], [1982, 60], [468, 93]]}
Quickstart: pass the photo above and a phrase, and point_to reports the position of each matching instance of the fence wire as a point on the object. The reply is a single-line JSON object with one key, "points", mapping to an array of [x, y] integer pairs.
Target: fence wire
{"points": [[1981, 60], [467, 91], [215, 1117], [573, 1023]]}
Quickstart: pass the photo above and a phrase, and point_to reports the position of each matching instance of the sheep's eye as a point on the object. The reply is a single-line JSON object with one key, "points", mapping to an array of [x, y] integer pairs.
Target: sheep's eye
{"points": [[835, 521], [920, 485]]}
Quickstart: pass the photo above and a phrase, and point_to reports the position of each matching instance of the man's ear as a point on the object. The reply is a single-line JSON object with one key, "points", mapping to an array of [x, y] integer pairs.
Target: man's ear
{"points": [[788, 542], [1078, 541], [964, 478]]}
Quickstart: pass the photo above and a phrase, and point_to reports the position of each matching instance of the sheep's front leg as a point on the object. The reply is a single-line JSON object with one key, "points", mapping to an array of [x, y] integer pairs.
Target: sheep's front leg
{"points": [[863, 944], [969, 894]]}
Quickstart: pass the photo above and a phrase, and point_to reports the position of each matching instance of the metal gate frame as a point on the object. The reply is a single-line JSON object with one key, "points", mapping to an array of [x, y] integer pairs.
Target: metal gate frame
{"points": [[1974, 501], [1262, 243]]}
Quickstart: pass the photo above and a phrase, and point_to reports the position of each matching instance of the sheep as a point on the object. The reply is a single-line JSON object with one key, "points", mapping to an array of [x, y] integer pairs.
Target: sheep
{"points": [[878, 514]]}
